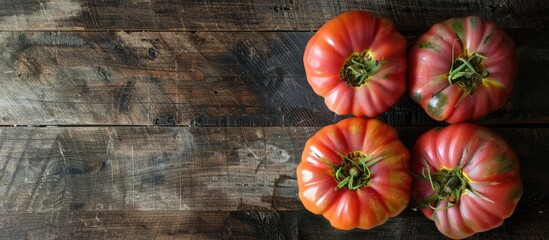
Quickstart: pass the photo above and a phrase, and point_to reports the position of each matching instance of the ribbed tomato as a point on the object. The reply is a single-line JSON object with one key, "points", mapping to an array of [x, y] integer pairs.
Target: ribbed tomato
{"points": [[355, 173], [462, 69], [357, 62], [467, 179]]}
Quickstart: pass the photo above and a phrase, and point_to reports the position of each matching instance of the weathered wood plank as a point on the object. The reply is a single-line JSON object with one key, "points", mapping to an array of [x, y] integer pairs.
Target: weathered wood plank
{"points": [[113, 225], [298, 224], [202, 78], [247, 15], [182, 168], [135, 78], [152, 168]]}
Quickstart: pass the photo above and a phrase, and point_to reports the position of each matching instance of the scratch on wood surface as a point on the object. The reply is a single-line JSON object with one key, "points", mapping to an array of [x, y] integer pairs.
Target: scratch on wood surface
{"points": [[268, 153], [196, 49], [260, 160], [98, 220], [61, 152], [83, 221], [149, 105], [5, 164], [62, 115], [124, 96], [110, 150], [37, 184], [181, 174], [133, 176], [44, 10]]}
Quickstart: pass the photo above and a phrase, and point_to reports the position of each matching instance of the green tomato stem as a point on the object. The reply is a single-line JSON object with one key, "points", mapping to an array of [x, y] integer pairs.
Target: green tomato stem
{"points": [[358, 68], [447, 185], [354, 170], [467, 73]]}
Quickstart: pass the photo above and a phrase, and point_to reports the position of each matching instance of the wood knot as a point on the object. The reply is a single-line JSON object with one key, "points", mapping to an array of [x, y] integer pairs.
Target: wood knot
{"points": [[153, 53]]}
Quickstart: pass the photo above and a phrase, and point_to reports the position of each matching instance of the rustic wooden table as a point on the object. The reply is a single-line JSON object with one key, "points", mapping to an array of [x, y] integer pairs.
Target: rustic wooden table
{"points": [[134, 119]]}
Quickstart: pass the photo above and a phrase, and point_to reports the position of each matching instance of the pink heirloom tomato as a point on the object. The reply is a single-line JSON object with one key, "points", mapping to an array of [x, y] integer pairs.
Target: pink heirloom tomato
{"points": [[355, 173], [357, 62], [467, 179], [462, 69]]}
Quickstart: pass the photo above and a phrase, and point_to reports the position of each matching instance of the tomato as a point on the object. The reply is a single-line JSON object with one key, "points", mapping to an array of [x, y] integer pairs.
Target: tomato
{"points": [[357, 62], [355, 173], [467, 179], [462, 69]]}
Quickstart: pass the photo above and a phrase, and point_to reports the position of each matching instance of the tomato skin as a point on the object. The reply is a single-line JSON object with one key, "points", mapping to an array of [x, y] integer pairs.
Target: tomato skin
{"points": [[490, 166], [385, 195], [430, 61], [355, 32]]}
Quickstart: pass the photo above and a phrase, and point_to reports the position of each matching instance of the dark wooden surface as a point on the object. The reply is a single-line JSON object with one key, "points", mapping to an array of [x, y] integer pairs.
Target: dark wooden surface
{"points": [[166, 119]]}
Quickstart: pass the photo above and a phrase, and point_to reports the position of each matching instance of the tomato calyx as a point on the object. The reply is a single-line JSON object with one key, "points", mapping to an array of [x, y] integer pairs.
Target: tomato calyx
{"points": [[354, 170], [467, 73], [358, 68], [447, 185]]}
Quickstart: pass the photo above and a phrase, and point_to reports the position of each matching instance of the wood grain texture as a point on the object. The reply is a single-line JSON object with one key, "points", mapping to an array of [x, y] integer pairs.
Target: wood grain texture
{"points": [[202, 78], [135, 78], [160, 168], [182, 168], [247, 15], [298, 224]]}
